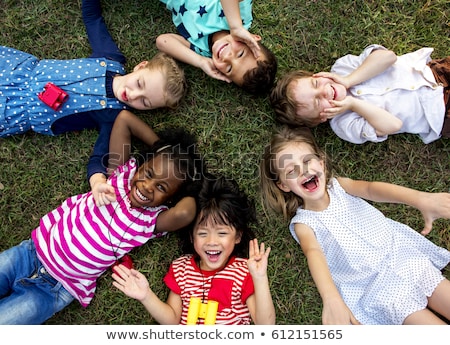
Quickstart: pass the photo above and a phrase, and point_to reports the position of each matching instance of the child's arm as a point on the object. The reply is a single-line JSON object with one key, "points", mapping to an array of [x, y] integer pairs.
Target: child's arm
{"points": [[99, 37], [103, 193], [260, 303], [381, 120], [178, 216], [178, 48], [237, 30], [125, 126], [335, 311], [134, 284], [432, 205], [377, 62]]}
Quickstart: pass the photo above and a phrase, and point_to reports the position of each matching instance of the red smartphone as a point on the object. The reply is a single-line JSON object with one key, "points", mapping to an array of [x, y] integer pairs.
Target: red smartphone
{"points": [[53, 96]]}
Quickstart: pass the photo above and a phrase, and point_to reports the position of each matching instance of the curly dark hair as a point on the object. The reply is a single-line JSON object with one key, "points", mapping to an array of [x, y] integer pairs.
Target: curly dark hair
{"points": [[222, 202], [181, 147], [259, 80]]}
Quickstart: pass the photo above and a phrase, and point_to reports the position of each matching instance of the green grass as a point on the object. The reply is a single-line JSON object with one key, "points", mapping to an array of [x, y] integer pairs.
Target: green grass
{"points": [[37, 172]]}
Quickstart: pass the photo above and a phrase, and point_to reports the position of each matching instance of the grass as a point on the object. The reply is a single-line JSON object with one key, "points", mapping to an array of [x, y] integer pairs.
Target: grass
{"points": [[37, 172]]}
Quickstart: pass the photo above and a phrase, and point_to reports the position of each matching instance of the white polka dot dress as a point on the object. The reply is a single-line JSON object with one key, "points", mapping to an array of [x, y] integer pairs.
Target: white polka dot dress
{"points": [[383, 269]]}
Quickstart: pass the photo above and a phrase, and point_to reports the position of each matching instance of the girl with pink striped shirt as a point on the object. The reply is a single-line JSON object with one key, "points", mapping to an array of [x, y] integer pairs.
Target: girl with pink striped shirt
{"points": [[213, 283], [77, 242]]}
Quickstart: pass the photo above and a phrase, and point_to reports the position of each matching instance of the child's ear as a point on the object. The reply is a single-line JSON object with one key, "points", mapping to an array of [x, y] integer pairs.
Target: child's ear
{"points": [[256, 37], [283, 187], [238, 238], [140, 65]]}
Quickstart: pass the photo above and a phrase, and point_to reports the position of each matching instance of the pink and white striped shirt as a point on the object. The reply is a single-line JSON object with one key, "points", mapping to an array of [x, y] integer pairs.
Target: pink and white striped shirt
{"points": [[78, 241]]}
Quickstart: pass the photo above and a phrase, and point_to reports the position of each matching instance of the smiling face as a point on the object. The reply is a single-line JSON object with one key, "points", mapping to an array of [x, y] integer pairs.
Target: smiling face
{"points": [[313, 95], [214, 243], [155, 182], [233, 58], [302, 172], [142, 89]]}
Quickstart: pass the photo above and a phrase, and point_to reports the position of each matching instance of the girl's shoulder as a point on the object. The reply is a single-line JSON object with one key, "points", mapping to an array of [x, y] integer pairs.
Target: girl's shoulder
{"points": [[184, 260]]}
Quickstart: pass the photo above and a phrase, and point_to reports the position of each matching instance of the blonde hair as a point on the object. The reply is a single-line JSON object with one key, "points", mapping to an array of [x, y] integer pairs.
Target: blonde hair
{"points": [[284, 103], [176, 85], [273, 198]]}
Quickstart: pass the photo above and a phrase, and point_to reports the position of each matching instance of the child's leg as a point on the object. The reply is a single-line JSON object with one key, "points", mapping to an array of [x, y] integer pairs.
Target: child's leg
{"points": [[28, 294], [15, 263], [423, 317], [33, 300], [439, 301]]}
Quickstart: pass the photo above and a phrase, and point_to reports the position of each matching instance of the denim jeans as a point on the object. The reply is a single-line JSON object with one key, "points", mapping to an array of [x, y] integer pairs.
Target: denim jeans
{"points": [[28, 294]]}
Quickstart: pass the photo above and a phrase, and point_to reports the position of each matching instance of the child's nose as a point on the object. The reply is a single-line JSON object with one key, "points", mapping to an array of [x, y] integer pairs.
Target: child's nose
{"points": [[227, 56], [211, 239], [135, 94], [149, 185]]}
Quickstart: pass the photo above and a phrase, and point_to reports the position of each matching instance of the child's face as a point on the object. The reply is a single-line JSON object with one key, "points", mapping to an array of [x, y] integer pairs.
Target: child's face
{"points": [[214, 243], [301, 172], [154, 183], [313, 94], [233, 58], [142, 89]]}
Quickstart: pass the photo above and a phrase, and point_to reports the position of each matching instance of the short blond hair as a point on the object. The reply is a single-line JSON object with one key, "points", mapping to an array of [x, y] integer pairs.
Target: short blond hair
{"points": [[176, 85]]}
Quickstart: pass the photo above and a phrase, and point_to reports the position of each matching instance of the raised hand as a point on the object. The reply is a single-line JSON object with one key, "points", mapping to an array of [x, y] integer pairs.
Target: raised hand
{"points": [[208, 67], [131, 282], [251, 41], [258, 259]]}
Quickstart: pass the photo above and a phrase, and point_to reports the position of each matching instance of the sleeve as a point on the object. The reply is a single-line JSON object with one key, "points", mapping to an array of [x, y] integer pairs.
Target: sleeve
{"points": [[98, 161], [348, 63], [350, 126], [171, 283], [104, 119], [355, 129], [100, 39]]}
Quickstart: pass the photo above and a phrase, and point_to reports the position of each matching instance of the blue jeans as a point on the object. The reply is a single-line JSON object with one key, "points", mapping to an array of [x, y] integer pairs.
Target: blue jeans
{"points": [[28, 294]]}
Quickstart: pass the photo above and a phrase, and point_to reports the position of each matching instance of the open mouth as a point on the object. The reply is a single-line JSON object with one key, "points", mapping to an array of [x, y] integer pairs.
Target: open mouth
{"points": [[219, 51], [213, 255], [311, 184], [141, 196], [334, 95]]}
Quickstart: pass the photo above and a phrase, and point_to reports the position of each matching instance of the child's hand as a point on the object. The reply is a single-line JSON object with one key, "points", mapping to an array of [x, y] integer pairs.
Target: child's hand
{"points": [[103, 193], [208, 67], [333, 76], [338, 108], [243, 35], [336, 312], [131, 282], [258, 259], [433, 206]]}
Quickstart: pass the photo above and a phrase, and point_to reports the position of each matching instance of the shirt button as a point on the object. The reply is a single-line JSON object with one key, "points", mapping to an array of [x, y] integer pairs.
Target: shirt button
{"points": [[102, 103], [103, 63], [413, 87], [359, 92]]}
